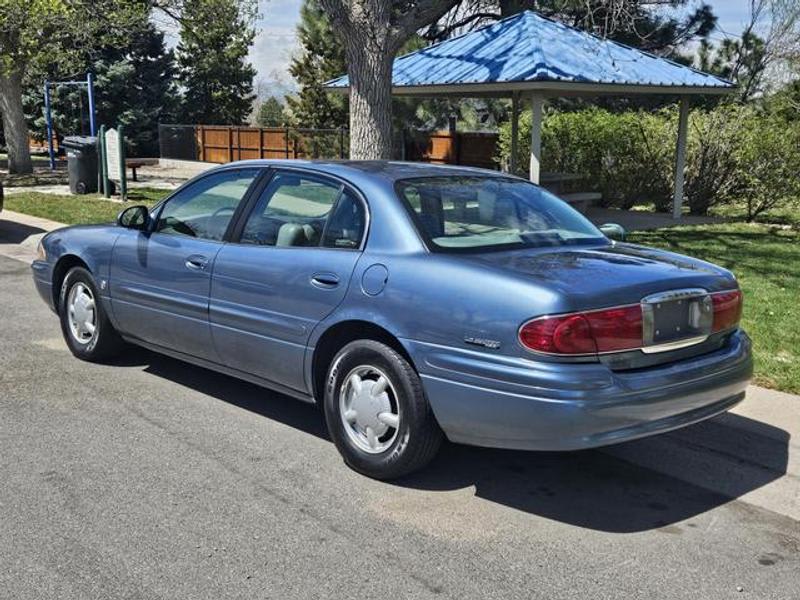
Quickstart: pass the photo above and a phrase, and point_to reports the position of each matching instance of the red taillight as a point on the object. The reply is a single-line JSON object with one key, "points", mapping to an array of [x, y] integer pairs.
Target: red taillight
{"points": [[727, 309], [617, 328], [607, 330]]}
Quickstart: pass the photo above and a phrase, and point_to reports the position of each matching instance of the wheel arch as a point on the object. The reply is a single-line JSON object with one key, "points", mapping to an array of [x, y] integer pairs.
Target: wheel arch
{"points": [[60, 270], [335, 337]]}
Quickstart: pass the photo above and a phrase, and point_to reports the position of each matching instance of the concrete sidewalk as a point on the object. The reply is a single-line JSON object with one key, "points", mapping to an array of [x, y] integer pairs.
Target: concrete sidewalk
{"points": [[765, 450], [59, 189], [640, 220], [20, 234]]}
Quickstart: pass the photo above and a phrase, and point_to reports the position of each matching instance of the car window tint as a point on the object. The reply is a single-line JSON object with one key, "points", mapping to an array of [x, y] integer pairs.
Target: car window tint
{"points": [[346, 224], [464, 213], [292, 211], [205, 208]]}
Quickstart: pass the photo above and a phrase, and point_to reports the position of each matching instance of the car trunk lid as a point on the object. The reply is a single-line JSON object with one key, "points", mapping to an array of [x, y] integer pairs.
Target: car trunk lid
{"points": [[613, 275], [672, 290]]}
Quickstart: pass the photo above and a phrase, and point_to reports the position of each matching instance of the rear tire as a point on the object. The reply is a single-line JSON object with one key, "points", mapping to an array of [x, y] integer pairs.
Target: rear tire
{"points": [[88, 332], [377, 413]]}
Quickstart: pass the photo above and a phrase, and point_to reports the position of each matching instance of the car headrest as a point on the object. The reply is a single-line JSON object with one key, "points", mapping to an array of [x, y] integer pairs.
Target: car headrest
{"points": [[296, 234]]}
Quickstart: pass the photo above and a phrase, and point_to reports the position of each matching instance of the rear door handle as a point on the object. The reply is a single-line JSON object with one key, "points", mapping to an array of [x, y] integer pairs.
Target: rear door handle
{"points": [[325, 280], [196, 262]]}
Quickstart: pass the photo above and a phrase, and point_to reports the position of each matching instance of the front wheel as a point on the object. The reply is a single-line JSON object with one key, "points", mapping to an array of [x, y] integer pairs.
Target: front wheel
{"points": [[85, 325], [377, 413]]}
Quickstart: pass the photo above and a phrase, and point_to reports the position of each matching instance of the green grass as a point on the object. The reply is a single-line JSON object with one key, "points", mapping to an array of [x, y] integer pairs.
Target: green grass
{"points": [[74, 210], [784, 214], [766, 260]]}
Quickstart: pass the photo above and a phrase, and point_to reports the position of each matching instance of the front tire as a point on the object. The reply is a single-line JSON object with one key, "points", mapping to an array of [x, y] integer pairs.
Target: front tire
{"points": [[377, 413], [88, 332]]}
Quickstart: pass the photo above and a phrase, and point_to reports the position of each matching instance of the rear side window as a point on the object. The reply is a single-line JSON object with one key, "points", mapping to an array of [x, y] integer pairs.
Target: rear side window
{"points": [[298, 210], [345, 227]]}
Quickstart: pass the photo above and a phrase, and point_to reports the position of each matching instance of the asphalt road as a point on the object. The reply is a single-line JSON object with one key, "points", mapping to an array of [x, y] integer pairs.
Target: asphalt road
{"points": [[155, 479]]}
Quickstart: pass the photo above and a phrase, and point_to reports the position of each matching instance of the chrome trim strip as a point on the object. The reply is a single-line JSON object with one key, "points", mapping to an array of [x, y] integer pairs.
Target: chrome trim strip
{"points": [[666, 347], [648, 317], [674, 295]]}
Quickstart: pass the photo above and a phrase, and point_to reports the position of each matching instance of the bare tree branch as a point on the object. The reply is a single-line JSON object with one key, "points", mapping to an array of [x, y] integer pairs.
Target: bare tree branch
{"points": [[420, 14]]}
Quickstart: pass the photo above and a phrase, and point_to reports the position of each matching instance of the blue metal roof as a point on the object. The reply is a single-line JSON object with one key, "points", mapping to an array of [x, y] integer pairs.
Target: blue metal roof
{"points": [[528, 51]]}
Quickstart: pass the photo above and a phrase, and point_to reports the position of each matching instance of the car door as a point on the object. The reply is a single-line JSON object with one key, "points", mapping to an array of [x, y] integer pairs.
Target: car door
{"points": [[160, 278], [289, 269]]}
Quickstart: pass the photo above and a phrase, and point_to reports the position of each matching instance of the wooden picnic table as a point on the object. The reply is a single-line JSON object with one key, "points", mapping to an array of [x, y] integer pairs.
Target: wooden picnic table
{"points": [[555, 181], [548, 177], [581, 201]]}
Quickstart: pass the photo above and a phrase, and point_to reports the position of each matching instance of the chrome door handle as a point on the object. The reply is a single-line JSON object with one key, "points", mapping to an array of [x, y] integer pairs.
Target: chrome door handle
{"points": [[196, 262], [325, 280]]}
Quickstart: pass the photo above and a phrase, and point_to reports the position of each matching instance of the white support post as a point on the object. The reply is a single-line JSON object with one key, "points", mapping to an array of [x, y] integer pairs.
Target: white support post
{"points": [[512, 163], [537, 101], [680, 158]]}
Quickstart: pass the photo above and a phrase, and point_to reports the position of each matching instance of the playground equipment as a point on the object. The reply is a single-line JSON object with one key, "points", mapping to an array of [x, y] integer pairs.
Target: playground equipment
{"points": [[89, 83]]}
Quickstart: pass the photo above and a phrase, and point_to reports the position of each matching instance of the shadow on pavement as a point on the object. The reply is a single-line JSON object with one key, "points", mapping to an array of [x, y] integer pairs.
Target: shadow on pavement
{"points": [[596, 489], [607, 490], [16, 233]]}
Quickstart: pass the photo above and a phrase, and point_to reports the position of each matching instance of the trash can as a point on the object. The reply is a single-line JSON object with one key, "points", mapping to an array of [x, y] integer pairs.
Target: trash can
{"points": [[81, 163]]}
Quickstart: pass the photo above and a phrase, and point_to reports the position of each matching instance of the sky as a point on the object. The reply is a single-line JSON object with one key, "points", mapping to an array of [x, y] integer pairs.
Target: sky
{"points": [[276, 40]]}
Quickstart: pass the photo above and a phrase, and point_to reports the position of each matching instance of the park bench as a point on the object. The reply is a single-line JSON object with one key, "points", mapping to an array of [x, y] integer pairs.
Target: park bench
{"points": [[135, 163]]}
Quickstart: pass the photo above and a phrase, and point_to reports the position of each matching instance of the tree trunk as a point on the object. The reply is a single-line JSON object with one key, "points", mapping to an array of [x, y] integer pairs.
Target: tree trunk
{"points": [[373, 31], [370, 75], [15, 127]]}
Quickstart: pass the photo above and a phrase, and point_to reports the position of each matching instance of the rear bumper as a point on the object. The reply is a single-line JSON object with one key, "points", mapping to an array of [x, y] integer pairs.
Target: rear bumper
{"points": [[488, 400]]}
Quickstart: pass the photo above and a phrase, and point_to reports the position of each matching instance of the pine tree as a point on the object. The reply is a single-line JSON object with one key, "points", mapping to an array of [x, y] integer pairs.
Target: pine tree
{"points": [[216, 78], [270, 113], [321, 59], [134, 87], [37, 34]]}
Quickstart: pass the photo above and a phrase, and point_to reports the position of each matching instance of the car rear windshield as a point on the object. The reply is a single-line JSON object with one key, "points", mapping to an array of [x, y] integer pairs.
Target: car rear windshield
{"points": [[456, 213]]}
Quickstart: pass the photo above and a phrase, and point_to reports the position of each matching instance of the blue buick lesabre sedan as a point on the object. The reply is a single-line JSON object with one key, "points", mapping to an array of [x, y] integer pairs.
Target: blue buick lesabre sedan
{"points": [[412, 302]]}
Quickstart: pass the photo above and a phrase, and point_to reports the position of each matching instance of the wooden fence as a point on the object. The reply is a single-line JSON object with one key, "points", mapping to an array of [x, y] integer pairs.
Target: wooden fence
{"points": [[222, 144], [473, 149], [40, 145]]}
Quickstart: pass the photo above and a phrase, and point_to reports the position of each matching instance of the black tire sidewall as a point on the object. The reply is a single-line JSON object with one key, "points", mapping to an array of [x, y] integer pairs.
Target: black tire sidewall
{"points": [[415, 414], [94, 349]]}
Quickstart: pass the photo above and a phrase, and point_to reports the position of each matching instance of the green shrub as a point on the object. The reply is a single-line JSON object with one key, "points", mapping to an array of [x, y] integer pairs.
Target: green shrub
{"points": [[735, 154], [769, 159], [713, 169], [623, 156]]}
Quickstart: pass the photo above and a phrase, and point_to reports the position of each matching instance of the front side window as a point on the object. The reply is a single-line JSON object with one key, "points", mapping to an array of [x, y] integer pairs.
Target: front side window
{"points": [[456, 213], [301, 210], [205, 208]]}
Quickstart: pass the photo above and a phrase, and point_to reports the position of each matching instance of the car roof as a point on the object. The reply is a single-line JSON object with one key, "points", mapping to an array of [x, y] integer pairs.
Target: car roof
{"points": [[388, 170]]}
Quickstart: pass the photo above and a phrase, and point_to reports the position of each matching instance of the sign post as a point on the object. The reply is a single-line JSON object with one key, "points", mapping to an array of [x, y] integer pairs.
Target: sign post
{"points": [[114, 161]]}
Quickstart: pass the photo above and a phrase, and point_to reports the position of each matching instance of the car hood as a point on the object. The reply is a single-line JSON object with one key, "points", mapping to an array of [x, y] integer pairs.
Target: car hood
{"points": [[590, 277]]}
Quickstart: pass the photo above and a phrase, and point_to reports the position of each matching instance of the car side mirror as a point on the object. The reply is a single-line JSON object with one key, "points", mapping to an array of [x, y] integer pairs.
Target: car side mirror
{"points": [[613, 231], [134, 217]]}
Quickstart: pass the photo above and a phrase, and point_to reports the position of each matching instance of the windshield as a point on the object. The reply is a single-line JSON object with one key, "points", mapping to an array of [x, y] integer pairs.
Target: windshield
{"points": [[474, 212]]}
